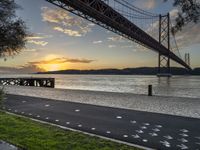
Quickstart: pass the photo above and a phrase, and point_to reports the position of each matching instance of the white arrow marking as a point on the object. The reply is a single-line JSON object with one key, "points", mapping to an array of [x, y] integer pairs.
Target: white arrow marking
{"points": [[156, 130], [197, 138], [153, 134], [108, 132], [183, 140], [136, 136], [133, 121], [182, 146], [143, 127], [158, 126], [47, 105], [184, 130], [184, 135], [125, 136], [165, 143], [146, 124], [145, 140], [168, 137], [119, 117], [139, 131]]}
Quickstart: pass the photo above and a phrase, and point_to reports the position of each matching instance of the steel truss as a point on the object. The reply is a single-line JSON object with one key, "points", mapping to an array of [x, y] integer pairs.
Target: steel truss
{"points": [[98, 12], [164, 39]]}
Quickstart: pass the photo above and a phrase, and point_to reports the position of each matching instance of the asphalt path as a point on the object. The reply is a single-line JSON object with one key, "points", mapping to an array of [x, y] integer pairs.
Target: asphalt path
{"points": [[153, 130]]}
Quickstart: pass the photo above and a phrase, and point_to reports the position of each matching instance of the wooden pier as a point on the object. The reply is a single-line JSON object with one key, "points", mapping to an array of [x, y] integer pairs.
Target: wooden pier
{"points": [[37, 82]]}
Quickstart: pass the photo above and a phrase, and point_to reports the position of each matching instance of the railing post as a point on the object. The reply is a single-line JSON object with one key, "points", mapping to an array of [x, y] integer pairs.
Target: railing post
{"points": [[150, 90]]}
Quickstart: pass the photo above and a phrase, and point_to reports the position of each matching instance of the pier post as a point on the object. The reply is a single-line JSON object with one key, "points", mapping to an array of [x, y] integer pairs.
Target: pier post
{"points": [[150, 90]]}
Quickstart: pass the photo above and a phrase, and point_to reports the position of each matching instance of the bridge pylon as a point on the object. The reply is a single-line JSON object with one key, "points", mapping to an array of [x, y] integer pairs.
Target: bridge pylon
{"points": [[164, 39]]}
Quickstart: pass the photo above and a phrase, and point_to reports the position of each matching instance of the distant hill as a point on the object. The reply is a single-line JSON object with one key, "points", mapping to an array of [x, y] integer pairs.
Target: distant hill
{"points": [[126, 71]]}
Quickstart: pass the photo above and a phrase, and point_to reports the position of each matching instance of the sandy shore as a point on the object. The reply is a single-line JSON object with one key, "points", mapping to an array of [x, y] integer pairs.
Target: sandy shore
{"points": [[188, 107]]}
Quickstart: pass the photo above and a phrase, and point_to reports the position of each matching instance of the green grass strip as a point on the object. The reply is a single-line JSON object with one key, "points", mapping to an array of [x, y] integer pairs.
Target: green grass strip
{"points": [[33, 135]]}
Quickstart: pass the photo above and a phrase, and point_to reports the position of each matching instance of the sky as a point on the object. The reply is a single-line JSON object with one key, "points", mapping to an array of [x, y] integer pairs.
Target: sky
{"points": [[60, 40]]}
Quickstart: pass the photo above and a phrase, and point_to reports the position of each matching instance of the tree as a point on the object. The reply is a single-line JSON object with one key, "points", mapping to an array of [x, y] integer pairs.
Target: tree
{"points": [[13, 31], [189, 12]]}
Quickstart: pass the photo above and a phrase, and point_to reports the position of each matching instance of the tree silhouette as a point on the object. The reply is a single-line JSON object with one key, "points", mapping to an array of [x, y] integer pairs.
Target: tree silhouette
{"points": [[189, 12], [13, 31]]}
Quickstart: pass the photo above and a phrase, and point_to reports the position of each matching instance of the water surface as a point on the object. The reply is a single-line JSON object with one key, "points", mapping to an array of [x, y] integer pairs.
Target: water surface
{"points": [[181, 86]]}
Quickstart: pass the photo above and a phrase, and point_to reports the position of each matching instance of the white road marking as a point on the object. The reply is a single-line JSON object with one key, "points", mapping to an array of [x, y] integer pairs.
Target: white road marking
{"points": [[67, 122], [145, 140], [146, 124], [119, 117], [184, 130], [197, 143], [16, 111], [57, 120], [136, 136], [165, 143], [47, 105], [182, 146], [47, 118], [143, 127], [125, 136], [108, 132], [156, 130], [158, 126], [133, 121], [93, 129], [9, 109], [23, 101], [168, 137], [153, 134], [77, 110], [38, 116], [22, 112], [79, 125], [30, 114], [183, 134], [197, 138], [139, 131], [183, 140]]}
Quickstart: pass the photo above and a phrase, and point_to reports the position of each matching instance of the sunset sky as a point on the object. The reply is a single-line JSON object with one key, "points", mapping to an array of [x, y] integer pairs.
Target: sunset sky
{"points": [[61, 41]]}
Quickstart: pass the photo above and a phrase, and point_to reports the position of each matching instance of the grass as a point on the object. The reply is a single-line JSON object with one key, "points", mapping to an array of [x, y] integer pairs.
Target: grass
{"points": [[32, 135]]}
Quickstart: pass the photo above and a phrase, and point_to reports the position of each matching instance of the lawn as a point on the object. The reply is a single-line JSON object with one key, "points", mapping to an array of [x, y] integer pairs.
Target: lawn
{"points": [[33, 135]]}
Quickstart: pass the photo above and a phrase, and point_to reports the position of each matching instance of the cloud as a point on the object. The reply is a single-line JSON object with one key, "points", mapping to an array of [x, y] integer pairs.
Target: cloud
{"points": [[147, 4], [68, 32], [62, 21], [116, 38], [30, 50], [97, 42], [61, 60], [37, 42], [111, 46]]}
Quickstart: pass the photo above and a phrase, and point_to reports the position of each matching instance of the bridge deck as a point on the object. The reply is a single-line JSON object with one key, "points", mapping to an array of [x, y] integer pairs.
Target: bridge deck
{"points": [[102, 14]]}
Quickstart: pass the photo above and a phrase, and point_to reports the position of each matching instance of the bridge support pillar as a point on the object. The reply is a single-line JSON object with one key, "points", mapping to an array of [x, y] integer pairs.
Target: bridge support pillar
{"points": [[164, 39]]}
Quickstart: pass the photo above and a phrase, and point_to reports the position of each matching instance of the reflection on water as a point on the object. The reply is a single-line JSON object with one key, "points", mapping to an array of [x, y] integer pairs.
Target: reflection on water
{"points": [[186, 86]]}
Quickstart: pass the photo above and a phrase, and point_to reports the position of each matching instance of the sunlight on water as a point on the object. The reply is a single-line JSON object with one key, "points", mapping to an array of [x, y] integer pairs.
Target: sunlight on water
{"points": [[182, 86]]}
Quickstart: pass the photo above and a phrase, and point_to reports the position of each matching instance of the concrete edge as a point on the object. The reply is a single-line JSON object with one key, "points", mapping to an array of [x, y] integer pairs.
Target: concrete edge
{"points": [[86, 133]]}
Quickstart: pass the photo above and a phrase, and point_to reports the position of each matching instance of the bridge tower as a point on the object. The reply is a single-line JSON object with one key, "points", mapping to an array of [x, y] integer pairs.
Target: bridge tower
{"points": [[164, 39]]}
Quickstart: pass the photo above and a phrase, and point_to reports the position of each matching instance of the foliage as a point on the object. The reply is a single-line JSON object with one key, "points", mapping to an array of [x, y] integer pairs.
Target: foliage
{"points": [[189, 12], [31, 135], [12, 29]]}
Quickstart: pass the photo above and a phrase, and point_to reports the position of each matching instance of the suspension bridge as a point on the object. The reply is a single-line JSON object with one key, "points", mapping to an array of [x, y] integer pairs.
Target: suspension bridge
{"points": [[150, 30]]}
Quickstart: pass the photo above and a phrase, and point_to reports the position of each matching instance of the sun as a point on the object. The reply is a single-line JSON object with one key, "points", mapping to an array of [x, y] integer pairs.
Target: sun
{"points": [[51, 63]]}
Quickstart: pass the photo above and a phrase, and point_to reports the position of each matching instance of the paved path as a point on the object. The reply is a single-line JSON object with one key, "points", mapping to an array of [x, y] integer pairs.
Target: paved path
{"points": [[6, 146], [152, 130]]}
